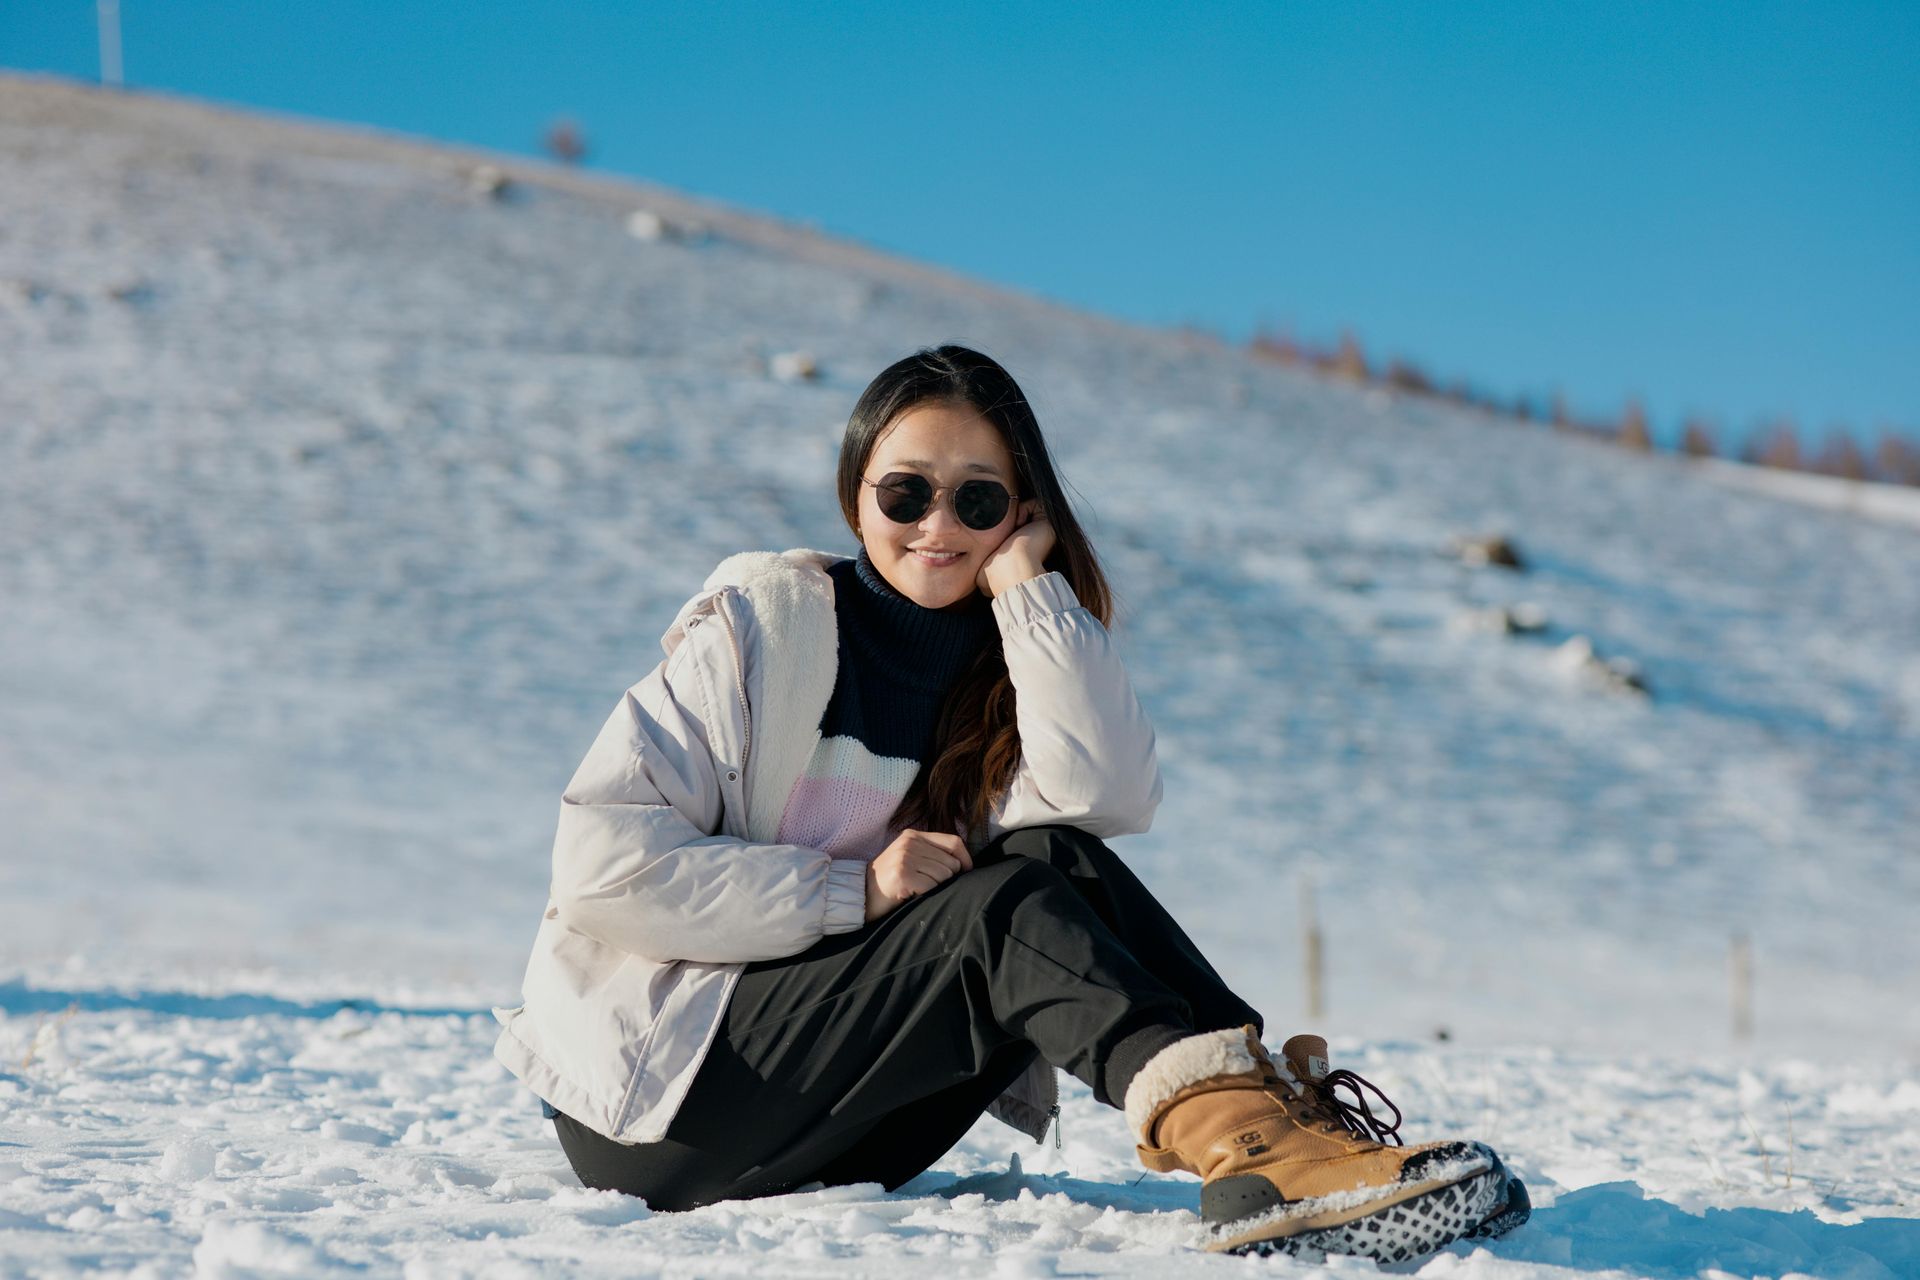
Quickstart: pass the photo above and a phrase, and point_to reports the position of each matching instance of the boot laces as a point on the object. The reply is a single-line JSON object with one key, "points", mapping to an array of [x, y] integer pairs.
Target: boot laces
{"points": [[1317, 1101], [1357, 1117]]}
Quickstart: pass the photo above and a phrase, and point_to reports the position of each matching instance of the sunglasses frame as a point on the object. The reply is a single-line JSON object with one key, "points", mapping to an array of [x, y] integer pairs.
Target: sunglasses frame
{"points": [[953, 492]]}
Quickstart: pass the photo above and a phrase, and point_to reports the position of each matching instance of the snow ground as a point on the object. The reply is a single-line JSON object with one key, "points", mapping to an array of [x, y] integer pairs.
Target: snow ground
{"points": [[250, 1133], [1899, 504], [338, 505]]}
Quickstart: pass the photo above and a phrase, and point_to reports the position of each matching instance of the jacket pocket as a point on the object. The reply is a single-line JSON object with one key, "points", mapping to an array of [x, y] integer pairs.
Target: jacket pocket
{"points": [[590, 1011]]}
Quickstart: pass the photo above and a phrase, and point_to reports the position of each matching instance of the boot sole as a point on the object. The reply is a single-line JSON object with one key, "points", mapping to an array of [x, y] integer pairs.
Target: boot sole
{"points": [[1408, 1222], [1515, 1206]]}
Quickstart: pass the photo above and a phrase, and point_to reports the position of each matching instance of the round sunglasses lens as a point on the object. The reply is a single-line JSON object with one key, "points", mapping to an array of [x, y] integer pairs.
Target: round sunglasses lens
{"points": [[980, 504], [904, 497]]}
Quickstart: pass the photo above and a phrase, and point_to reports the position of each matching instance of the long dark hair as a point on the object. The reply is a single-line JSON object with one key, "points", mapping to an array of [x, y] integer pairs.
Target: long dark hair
{"points": [[977, 743]]}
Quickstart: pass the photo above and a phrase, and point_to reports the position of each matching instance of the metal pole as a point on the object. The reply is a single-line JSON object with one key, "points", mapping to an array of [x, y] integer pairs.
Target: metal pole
{"points": [[109, 12]]}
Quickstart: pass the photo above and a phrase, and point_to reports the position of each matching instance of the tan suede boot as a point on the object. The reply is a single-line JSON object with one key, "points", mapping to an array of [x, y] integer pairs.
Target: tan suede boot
{"points": [[1306, 1056], [1287, 1167]]}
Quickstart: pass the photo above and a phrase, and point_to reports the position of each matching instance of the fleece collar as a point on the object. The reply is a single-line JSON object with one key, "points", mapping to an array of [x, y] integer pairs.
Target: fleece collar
{"points": [[790, 652]]}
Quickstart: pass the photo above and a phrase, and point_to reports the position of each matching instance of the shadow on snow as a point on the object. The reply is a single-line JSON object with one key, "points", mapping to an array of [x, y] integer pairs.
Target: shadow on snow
{"points": [[1614, 1226], [16, 997]]}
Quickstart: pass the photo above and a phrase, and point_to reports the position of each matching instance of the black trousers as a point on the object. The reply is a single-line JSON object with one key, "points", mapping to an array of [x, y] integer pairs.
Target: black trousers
{"points": [[867, 1056]]}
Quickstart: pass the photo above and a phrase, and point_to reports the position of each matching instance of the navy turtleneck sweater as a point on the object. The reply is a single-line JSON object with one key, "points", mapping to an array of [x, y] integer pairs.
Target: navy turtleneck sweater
{"points": [[897, 662]]}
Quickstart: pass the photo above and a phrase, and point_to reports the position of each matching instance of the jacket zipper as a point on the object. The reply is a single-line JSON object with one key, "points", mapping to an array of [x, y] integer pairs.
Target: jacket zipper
{"points": [[740, 687], [1053, 1104]]}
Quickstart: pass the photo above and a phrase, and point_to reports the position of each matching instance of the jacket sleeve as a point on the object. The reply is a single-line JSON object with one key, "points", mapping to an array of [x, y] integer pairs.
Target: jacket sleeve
{"points": [[1086, 746], [637, 863]]}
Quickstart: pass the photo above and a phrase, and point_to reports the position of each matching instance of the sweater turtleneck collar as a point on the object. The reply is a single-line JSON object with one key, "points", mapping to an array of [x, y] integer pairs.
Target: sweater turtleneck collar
{"points": [[922, 647]]}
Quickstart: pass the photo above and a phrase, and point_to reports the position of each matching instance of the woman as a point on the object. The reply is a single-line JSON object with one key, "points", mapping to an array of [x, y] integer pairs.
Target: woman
{"points": [[830, 883]]}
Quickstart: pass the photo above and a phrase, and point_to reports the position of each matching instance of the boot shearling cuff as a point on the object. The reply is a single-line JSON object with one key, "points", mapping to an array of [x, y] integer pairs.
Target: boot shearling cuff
{"points": [[1182, 1063]]}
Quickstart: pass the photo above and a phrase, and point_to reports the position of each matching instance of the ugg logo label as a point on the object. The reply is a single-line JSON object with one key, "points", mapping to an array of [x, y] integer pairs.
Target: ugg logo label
{"points": [[1316, 1067]]}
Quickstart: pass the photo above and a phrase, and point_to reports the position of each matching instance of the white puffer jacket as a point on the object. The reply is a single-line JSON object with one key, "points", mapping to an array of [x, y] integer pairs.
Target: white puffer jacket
{"points": [[666, 875]]}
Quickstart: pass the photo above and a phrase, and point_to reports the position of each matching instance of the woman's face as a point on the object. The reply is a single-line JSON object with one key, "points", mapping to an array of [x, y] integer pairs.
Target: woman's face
{"points": [[948, 444]]}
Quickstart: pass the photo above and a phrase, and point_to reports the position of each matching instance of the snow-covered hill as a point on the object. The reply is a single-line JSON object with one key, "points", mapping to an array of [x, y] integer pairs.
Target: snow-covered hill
{"points": [[339, 501]]}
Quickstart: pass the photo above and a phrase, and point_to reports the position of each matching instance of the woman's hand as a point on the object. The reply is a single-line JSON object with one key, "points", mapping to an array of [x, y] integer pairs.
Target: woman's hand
{"points": [[915, 862], [1022, 555]]}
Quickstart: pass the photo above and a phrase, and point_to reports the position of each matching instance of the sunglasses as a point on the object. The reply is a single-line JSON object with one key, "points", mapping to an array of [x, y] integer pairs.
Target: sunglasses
{"points": [[905, 497]]}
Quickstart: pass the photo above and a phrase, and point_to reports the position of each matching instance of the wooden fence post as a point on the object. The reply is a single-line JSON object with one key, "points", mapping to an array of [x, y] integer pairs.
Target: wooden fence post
{"points": [[1740, 978]]}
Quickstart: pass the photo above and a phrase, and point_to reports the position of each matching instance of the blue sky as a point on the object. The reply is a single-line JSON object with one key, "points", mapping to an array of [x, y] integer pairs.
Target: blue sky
{"points": [[1713, 206]]}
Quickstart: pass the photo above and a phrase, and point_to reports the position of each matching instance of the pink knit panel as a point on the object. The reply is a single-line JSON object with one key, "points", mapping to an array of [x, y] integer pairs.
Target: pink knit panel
{"points": [[845, 799]]}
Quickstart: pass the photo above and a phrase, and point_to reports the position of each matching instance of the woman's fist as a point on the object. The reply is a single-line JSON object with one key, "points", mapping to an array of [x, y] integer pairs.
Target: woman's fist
{"points": [[1022, 554], [915, 862]]}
